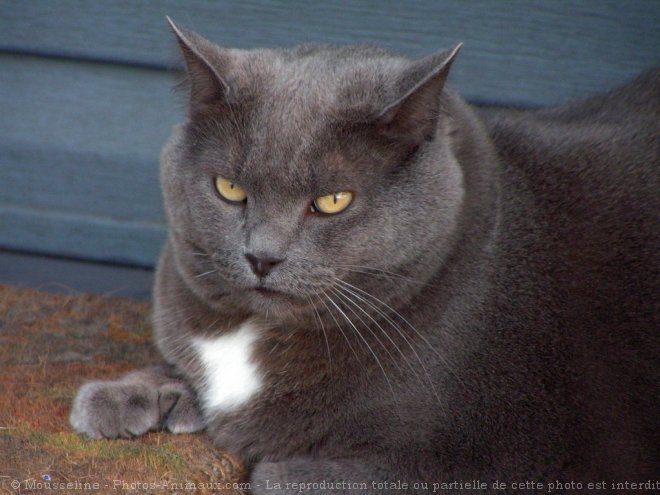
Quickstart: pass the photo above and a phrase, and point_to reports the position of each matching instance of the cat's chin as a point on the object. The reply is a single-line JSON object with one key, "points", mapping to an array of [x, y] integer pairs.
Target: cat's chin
{"points": [[264, 302], [266, 295], [274, 304]]}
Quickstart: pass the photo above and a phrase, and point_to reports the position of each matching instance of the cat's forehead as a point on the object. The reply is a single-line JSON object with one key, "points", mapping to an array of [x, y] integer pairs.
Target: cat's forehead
{"points": [[294, 136], [317, 78], [304, 165]]}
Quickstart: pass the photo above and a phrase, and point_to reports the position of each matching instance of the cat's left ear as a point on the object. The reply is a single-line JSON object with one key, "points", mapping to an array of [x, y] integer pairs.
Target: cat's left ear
{"points": [[413, 115], [205, 64]]}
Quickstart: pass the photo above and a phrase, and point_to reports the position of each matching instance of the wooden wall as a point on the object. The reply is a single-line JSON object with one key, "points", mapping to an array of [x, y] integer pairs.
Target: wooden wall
{"points": [[86, 101]]}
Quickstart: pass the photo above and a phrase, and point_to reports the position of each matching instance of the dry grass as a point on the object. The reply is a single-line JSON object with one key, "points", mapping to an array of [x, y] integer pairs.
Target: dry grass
{"points": [[49, 345]]}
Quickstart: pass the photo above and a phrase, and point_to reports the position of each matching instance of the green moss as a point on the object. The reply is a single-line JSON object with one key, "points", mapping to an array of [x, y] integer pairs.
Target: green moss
{"points": [[156, 457], [33, 436], [160, 458], [51, 392]]}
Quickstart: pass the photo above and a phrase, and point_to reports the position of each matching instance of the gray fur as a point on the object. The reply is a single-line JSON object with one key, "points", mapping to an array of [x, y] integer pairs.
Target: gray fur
{"points": [[503, 277], [141, 401]]}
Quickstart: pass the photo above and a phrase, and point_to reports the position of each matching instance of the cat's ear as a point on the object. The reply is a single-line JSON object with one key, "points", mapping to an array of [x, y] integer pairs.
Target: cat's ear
{"points": [[413, 115], [205, 62]]}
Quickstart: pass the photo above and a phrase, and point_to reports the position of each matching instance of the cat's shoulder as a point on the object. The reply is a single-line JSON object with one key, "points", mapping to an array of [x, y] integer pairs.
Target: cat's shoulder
{"points": [[611, 134], [631, 110]]}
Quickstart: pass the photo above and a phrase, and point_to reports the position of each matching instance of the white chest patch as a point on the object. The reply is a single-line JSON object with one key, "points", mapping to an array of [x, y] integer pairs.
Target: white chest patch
{"points": [[230, 376]]}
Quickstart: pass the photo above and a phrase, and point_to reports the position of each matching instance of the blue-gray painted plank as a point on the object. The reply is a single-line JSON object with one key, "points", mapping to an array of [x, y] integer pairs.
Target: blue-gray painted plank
{"points": [[79, 148], [73, 277], [80, 235], [516, 51], [83, 137]]}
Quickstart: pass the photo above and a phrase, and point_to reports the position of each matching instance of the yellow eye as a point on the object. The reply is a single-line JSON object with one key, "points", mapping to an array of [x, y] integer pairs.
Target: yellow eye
{"points": [[333, 203], [229, 190]]}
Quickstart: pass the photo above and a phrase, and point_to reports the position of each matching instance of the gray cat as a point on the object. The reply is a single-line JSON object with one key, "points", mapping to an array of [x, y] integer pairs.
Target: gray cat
{"points": [[368, 286]]}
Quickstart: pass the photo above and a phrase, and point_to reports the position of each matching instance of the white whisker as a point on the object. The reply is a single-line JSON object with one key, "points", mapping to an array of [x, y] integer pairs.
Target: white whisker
{"points": [[205, 255], [393, 325], [398, 329], [408, 324], [363, 340], [346, 298], [325, 335], [341, 330], [367, 270], [206, 273]]}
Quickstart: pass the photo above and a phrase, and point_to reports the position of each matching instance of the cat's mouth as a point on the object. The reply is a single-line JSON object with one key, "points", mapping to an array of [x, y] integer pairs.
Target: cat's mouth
{"points": [[270, 293], [267, 292], [269, 297]]}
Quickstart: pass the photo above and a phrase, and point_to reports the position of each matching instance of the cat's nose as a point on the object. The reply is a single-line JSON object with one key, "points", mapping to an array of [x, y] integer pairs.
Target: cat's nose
{"points": [[261, 266]]}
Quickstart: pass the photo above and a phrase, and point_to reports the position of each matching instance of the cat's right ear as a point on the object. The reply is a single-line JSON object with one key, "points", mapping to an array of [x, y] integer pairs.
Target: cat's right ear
{"points": [[412, 116], [205, 62]]}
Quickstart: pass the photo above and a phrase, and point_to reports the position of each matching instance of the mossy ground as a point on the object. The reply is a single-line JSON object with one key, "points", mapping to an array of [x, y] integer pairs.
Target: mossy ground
{"points": [[49, 345]]}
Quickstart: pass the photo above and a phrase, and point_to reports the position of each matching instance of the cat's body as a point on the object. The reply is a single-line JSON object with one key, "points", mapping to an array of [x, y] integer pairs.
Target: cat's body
{"points": [[479, 311]]}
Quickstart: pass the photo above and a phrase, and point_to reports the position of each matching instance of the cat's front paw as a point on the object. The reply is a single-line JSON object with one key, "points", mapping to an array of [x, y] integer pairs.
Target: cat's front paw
{"points": [[112, 409], [140, 402]]}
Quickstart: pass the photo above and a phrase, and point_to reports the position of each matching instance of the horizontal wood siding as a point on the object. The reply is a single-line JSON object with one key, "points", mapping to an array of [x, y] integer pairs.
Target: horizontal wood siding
{"points": [[516, 51], [79, 158], [86, 100]]}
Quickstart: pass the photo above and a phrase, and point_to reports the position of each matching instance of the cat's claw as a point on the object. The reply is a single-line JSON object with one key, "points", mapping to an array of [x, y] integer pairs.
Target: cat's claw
{"points": [[132, 406]]}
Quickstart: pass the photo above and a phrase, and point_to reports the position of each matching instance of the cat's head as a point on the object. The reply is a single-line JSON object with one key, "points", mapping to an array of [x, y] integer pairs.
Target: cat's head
{"points": [[299, 172]]}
